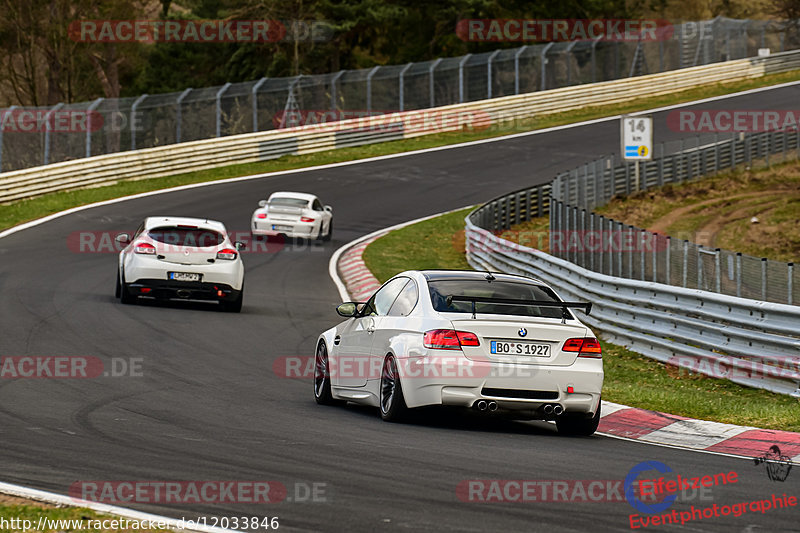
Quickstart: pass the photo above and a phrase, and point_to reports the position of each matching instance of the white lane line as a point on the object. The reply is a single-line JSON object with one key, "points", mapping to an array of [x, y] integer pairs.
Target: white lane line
{"points": [[699, 434], [58, 499]]}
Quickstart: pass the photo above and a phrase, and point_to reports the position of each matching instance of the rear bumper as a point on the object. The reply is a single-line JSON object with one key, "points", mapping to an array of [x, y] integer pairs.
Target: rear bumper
{"points": [[525, 389], [183, 290], [303, 230]]}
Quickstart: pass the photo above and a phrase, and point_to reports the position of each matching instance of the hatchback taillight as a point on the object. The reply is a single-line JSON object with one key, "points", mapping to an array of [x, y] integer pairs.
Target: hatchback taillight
{"points": [[145, 248], [586, 347], [228, 254], [306, 219], [449, 339]]}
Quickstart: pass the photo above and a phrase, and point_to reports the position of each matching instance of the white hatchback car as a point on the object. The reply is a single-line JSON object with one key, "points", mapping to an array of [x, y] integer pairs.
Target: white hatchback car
{"points": [[181, 258], [497, 343], [293, 214]]}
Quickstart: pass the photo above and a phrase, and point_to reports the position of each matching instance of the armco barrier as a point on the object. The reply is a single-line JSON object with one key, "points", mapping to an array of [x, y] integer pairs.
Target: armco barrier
{"points": [[253, 147], [749, 342]]}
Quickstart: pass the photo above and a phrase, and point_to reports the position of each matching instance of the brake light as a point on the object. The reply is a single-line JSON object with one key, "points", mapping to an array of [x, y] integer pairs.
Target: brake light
{"points": [[145, 248], [306, 219], [227, 253], [449, 339], [262, 215], [586, 347]]}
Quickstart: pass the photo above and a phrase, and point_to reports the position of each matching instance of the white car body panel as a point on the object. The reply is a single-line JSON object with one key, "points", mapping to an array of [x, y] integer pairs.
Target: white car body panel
{"points": [[459, 377], [141, 269], [288, 220]]}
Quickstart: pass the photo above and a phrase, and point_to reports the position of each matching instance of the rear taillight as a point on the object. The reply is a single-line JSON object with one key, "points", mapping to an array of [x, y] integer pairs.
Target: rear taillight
{"points": [[449, 339], [306, 219], [227, 253], [262, 215], [586, 347], [145, 248]]}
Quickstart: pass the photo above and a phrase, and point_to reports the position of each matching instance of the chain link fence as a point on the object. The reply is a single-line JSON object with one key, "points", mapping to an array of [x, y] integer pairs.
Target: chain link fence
{"points": [[610, 247], [36, 136]]}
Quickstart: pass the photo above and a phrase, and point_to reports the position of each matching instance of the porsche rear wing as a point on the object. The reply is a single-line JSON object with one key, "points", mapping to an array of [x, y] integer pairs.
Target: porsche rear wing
{"points": [[565, 315]]}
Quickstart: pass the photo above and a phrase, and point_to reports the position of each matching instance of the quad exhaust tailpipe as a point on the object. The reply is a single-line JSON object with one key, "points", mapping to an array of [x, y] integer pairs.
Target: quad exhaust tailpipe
{"points": [[553, 409], [483, 405]]}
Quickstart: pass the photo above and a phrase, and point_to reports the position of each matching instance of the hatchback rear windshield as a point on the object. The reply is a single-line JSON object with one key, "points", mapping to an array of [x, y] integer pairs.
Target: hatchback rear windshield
{"points": [[507, 290], [290, 202], [191, 237]]}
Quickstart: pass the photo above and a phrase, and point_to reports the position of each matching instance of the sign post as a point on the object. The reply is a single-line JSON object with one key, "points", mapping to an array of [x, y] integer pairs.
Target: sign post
{"points": [[636, 135]]}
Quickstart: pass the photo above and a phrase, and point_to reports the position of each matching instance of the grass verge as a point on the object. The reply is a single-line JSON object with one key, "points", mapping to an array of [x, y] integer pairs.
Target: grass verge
{"points": [[22, 211], [21, 510], [630, 378]]}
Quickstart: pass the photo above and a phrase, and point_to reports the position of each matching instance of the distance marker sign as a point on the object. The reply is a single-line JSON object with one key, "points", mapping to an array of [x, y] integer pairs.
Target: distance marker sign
{"points": [[637, 138]]}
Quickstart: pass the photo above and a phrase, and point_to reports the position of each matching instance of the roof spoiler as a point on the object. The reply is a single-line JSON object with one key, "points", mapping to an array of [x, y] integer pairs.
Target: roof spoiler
{"points": [[587, 307]]}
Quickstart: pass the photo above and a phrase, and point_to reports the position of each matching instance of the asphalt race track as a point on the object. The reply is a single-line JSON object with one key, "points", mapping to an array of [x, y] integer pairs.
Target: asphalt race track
{"points": [[208, 405]]}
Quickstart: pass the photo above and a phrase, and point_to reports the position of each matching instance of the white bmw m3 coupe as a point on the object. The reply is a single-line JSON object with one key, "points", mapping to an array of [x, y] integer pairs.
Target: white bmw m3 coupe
{"points": [[293, 214], [496, 343], [181, 258]]}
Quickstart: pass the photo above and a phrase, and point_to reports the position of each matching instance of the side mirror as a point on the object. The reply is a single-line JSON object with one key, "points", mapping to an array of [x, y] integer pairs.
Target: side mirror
{"points": [[262, 203], [328, 208], [123, 238], [239, 245], [348, 309]]}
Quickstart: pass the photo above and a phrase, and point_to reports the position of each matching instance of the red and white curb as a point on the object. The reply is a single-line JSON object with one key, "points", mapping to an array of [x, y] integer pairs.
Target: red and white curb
{"points": [[356, 283]]}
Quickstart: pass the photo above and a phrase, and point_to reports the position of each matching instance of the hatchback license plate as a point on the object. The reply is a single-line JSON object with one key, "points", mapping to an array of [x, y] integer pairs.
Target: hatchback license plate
{"points": [[184, 276], [520, 348]]}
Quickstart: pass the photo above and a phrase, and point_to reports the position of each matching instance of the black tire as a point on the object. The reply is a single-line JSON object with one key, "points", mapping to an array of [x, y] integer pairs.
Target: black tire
{"points": [[125, 295], [391, 402], [329, 235], [322, 378], [578, 426], [234, 306]]}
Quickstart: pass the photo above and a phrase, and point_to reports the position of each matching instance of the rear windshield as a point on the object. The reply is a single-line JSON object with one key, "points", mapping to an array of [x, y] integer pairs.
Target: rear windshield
{"points": [[191, 237], [508, 290], [290, 202]]}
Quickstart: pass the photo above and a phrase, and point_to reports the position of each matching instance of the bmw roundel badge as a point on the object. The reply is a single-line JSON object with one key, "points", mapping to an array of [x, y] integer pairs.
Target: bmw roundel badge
{"points": [[522, 332]]}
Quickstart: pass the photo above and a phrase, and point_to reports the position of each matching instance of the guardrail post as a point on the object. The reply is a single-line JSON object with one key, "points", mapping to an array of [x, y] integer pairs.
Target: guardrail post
{"points": [[369, 88], [489, 73], [179, 113], [717, 265], [219, 107], [619, 249], [335, 80], [89, 110], [685, 263], [543, 61], [764, 279], [461, 78], [254, 98], [402, 74], [641, 253], [668, 261], [516, 68], [586, 237], [790, 283], [567, 50], [48, 129], [7, 111], [653, 243], [700, 266], [601, 238], [739, 274], [133, 121], [430, 80], [594, 59]]}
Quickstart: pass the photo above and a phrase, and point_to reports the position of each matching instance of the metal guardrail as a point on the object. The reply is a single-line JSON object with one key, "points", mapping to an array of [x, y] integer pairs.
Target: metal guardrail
{"points": [[149, 121], [254, 147], [748, 342]]}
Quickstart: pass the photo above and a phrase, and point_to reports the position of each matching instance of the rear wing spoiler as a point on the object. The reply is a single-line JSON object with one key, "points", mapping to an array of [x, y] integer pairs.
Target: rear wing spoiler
{"points": [[587, 307]]}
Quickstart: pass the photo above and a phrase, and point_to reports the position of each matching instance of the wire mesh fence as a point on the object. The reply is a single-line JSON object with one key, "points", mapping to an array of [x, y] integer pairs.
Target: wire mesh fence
{"points": [[146, 121]]}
